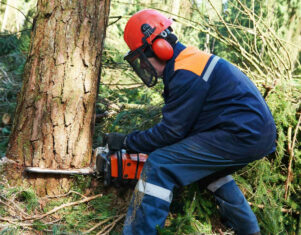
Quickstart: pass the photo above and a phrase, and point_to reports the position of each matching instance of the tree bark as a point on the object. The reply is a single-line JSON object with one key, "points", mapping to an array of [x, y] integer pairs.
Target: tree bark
{"points": [[54, 119]]}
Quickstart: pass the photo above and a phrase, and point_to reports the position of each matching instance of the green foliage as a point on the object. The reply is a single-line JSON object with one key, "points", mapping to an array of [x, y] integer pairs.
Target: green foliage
{"points": [[9, 231], [80, 217], [3, 212], [14, 47], [40, 226], [26, 197], [29, 198], [58, 229], [266, 188], [191, 212], [13, 52], [80, 183]]}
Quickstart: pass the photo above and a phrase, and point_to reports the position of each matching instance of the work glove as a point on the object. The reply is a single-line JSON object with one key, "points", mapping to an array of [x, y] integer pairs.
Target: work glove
{"points": [[116, 141]]}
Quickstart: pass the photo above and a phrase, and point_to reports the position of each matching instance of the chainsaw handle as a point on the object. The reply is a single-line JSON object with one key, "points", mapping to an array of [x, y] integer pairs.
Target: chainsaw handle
{"points": [[105, 139]]}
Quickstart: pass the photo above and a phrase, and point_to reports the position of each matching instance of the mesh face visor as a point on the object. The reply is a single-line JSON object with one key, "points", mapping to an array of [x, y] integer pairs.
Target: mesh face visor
{"points": [[141, 65]]}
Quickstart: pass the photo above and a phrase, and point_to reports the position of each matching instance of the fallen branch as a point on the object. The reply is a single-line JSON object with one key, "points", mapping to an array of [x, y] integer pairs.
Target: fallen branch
{"points": [[26, 225], [19, 224], [107, 229], [284, 210], [291, 146], [97, 225], [7, 205], [66, 194], [6, 220], [62, 206], [15, 206]]}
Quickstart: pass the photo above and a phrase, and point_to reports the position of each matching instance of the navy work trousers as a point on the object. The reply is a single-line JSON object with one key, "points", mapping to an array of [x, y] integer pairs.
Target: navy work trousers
{"points": [[181, 164]]}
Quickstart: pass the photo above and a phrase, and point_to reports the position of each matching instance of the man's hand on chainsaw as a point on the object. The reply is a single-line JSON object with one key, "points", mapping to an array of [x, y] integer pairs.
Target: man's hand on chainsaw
{"points": [[116, 141]]}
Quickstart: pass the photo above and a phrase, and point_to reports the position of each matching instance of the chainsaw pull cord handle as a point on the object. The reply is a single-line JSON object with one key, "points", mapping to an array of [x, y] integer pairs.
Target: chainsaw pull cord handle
{"points": [[119, 162], [137, 166]]}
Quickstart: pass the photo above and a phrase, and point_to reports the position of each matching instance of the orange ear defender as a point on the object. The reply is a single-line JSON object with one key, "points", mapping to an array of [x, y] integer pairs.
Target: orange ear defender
{"points": [[162, 49]]}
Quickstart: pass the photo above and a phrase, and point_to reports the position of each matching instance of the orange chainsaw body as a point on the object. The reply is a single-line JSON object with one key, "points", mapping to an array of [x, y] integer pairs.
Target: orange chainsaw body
{"points": [[132, 165]]}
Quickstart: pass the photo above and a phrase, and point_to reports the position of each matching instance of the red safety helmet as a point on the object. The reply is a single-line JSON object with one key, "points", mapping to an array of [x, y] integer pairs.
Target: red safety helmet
{"points": [[145, 34]]}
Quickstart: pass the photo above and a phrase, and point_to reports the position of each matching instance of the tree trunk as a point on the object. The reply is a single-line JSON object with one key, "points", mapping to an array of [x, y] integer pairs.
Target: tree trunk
{"points": [[54, 119]]}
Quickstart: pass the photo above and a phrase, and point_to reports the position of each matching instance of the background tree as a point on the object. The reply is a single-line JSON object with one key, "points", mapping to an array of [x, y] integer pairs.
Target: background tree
{"points": [[53, 125]]}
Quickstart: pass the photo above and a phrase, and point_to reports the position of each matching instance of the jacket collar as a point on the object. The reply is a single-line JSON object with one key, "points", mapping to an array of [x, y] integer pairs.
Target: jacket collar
{"points": [[169, 68]]}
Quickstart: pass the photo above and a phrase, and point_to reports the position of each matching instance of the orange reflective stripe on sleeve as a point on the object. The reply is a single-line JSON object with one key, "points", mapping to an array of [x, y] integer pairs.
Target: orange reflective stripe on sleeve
{"points": [[192, 59]]}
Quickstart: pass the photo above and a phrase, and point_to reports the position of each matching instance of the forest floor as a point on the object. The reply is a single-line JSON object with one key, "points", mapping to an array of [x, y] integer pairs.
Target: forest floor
{"points": [[87, 208]]}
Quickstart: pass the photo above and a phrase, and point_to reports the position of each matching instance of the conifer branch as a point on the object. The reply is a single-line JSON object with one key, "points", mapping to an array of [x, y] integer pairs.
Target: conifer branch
{"points": [[87, 199], [283, 210]]}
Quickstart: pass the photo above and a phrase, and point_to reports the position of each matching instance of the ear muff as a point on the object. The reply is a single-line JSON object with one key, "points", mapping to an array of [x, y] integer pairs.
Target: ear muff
{"points": [[162, 49]]}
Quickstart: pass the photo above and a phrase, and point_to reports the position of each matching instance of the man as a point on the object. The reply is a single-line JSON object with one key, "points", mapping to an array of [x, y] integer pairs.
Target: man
{"points": [[214, 122]]}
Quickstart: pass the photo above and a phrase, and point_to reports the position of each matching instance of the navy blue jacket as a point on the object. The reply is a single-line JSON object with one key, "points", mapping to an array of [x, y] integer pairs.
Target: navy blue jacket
{"points": [[212, 102]]}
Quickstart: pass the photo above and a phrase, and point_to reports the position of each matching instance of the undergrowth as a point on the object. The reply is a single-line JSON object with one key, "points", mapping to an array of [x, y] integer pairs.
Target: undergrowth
{"points": [[22, 211]]}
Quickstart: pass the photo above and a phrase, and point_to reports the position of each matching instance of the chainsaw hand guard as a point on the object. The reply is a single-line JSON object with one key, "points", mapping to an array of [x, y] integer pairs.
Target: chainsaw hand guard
{"points": [[116, 141]]}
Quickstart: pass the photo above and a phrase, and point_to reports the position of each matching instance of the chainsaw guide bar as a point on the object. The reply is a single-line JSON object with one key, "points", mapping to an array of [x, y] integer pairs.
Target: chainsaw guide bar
{"points": [[81, 171]]}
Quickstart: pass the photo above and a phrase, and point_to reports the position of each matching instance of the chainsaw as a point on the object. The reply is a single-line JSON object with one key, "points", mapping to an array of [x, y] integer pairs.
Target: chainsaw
{"points": [[118, 166]]}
